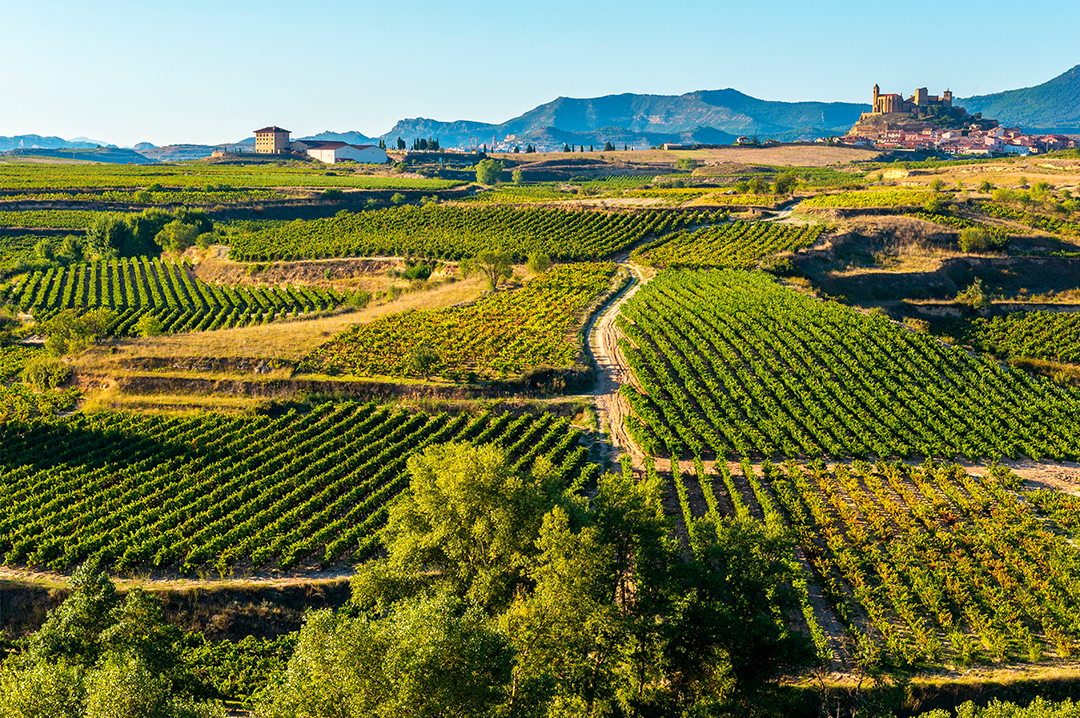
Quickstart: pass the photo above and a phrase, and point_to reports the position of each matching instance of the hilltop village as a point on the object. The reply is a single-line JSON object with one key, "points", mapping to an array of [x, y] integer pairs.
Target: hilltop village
{"points": [[929, 122]]}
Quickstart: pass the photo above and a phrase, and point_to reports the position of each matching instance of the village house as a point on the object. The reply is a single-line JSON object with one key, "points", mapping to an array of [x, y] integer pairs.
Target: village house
{"points": [[334, 152]]}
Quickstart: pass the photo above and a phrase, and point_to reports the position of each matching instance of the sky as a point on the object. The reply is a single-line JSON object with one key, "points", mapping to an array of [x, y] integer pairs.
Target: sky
{"points": [[191, 71]]}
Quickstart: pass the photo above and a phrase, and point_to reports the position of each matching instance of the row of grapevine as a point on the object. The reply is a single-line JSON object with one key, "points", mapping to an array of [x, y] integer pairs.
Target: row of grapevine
{"points": [[740, 245], [731, 362], [211, 490], [502, 333], [188, 196], [136, 286], [49, 218], [21, 177], [455, 231]]}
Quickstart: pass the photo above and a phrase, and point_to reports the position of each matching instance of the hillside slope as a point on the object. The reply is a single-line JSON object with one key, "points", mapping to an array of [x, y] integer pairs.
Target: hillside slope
{"points": [[1053, 105]]}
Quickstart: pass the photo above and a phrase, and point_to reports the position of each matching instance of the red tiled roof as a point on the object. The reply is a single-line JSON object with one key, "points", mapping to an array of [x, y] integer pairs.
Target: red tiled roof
{"points": [[273, 128]]}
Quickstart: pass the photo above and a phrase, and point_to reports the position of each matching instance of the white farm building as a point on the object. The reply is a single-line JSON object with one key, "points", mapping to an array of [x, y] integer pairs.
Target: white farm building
{"points": [[333, 152]]}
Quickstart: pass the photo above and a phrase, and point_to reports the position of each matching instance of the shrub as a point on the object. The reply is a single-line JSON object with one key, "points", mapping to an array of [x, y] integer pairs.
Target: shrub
{"points": [[974, 239], [149, 326], [686, 163], [780, 265], [45, 373], [397, 198], [538, 262], [974, 296]]}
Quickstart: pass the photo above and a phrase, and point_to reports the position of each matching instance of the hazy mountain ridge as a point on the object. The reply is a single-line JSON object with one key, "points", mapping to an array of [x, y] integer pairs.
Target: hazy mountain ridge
{"points": [[37, 141], [1052, 106]]}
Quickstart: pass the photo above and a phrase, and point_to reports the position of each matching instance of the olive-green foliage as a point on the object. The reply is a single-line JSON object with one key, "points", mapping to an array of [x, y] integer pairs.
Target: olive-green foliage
{"points": [[538, 262], [45, 372], [488, 171], [100, 656], [974, 239], [786, 182], [423, 360], [430, 656], [9, 324], [68, 333], [61, 251], [1038, 708], [975, 295], [687, 164]]}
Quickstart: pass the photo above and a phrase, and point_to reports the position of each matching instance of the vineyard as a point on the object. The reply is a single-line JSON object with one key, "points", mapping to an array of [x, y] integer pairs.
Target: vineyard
{"points": [[998, 234], [451, 232], [204, 492], [871, 198], [929, 563], [27, 177], [49, 218], [1053, 336], [741, 245], [1035, 221], [140, 285], [502, 333], [734, 363]]}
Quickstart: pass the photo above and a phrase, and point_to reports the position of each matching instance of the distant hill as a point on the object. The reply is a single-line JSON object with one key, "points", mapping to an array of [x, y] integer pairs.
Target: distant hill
{"points": [[729, 112], [1051, 106], [112, 155], [33, 141], [553, 138], [352, 137]]}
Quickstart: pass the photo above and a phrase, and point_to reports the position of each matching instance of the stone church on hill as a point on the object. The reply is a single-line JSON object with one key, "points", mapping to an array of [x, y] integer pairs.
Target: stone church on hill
{"points": [[920, 102]]}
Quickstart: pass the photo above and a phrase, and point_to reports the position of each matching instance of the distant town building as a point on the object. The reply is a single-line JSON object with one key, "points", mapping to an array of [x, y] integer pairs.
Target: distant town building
{"points": [[334, 152], [271, 140]]}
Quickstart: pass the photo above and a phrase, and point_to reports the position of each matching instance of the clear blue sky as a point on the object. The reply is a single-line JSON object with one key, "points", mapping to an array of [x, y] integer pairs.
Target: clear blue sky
{"points": [[209, 72]]}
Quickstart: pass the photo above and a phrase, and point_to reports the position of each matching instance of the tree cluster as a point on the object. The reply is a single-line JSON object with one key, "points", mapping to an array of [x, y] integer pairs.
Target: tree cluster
{"points": [[505, 593], [101, 656], [146, 232]]}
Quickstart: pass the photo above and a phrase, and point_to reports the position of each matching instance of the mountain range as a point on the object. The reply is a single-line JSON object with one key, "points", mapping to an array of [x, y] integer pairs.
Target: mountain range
{"points": [[705, 116]]}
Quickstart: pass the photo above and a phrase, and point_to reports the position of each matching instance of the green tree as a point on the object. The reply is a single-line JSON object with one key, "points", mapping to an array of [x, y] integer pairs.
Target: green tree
{"points": [[42, 690], [176, 237], [686, 164], [517, 176], [494, 265], [471, 517], [786, 182], [108, 236], [488, 171], [937, 184], [430, 656], [68, 333], [985, 187]]}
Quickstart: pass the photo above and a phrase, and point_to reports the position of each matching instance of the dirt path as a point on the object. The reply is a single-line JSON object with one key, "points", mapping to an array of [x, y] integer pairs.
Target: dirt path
{"points": [[613, 371]]}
